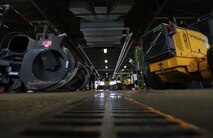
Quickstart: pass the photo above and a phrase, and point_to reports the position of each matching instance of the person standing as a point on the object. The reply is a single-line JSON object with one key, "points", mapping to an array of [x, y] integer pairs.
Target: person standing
{"points": [[92, 79]]}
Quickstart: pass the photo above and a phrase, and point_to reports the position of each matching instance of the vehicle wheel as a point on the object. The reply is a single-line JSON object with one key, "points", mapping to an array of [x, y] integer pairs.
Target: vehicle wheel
{"points": [[15, 87], [123, 87], [115, 87], [154, 81], [178, 85], [210, 58], [206, 84], [12, 90]]}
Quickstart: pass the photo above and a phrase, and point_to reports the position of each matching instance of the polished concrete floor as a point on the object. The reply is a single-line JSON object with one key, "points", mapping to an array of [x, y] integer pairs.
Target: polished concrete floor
{"points": [[194, 106], [17, 111]]}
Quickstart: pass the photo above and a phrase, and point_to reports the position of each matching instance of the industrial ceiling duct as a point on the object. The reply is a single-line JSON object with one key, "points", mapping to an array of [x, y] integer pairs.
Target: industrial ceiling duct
{"points": [[79, 7], [121, 7], [84, 24], [106, 25], [102, 32], [100, 17], [104, 44]]}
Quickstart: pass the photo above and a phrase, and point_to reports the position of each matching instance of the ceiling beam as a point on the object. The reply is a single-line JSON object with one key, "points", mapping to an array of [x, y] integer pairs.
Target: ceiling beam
{"points": [[181, 18], [156, 15], [184, 11], [144, 20], [38, 8], [88, 59]]}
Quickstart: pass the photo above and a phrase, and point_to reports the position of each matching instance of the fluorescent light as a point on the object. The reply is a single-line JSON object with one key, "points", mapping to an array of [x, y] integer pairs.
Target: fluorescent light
{"points": [[124, 66], [107, 73], [106, 67], [122, 69], [105, 50], [106, 61]]}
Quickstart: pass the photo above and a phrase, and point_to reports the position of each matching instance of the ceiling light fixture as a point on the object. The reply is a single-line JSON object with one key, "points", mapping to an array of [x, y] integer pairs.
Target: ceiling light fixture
{"points": [[124, 66], [106, 61], [105, 50], [106, 67]]}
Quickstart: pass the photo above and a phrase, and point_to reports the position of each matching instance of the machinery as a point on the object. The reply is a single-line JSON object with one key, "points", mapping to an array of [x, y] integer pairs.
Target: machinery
{"points": [[79, 78], [13, 45], [39, 65], [140, 66], [12, 49], [125, 84], [43, 63], [176, 56]]}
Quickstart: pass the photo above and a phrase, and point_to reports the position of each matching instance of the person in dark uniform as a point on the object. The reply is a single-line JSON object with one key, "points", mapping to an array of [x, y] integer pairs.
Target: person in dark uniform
{"points": [[92, 79]]}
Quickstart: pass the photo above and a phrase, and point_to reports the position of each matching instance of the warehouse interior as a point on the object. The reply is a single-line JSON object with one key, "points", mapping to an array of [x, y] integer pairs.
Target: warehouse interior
{"points": [[106, 68], [92, 26]]}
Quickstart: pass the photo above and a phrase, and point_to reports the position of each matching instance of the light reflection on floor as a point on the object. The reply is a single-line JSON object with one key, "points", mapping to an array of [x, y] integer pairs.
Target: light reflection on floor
{"points": [[110, 94]]}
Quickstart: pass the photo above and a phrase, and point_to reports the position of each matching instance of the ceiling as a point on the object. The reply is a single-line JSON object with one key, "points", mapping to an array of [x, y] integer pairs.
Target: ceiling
{"points": [[141, 17]]}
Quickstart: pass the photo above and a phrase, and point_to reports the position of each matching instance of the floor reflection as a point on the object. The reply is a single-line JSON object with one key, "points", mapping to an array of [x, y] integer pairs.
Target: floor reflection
{"points": [[110, 94], [115, 95]]}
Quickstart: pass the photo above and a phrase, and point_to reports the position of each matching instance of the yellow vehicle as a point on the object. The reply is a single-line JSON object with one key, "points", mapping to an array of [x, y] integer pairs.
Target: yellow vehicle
{"points": [[176, 56]]}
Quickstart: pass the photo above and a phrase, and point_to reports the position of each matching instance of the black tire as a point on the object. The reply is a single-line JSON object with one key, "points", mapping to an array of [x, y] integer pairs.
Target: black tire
{"points": [[154, 82], [206, 84], [123, 87], [15, 87], [178, 85], [12, 90], [210, 58], [115, 87]]}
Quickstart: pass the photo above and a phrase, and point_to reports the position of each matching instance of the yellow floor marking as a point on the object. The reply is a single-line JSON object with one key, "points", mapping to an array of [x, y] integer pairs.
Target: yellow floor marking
{"points": [[182, 123]]}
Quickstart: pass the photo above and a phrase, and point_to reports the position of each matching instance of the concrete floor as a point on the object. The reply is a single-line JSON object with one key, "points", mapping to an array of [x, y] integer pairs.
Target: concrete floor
{"points": [[194, 106], [18, 110]]}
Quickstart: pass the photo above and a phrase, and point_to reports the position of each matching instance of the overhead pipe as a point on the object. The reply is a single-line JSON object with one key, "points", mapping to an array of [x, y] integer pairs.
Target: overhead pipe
{"points": [[156, 15], [123, 51], [88, 59], [153, 19], [38, 8], [125, 54], [121, 56], [7, 10]]}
